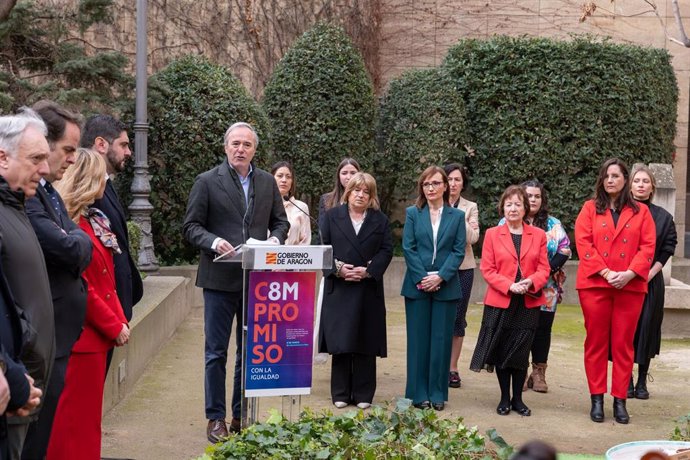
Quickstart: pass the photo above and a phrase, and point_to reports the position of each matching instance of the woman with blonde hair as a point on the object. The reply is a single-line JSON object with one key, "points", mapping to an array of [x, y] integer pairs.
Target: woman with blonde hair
{"points": [[353, 320], [77, 427], [647, 339]]}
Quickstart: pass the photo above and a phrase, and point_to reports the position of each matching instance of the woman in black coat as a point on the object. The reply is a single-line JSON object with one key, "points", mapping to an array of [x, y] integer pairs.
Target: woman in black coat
{"points": [[353, 317], [648, 333]]}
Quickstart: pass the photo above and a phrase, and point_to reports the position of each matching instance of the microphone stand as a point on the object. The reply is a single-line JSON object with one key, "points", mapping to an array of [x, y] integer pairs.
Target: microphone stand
{"points": [[318, 229]]}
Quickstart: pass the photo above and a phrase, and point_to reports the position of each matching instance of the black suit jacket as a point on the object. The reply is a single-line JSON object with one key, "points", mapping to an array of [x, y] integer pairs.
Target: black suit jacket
{"points": [[128, 282], [67, 252], [353, 317], [11, 345], [217, 208]]}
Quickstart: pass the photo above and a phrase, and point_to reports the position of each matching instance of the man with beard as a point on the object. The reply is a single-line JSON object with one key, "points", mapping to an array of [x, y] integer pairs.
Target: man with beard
{"points": [[67, 251], [108, 136]]}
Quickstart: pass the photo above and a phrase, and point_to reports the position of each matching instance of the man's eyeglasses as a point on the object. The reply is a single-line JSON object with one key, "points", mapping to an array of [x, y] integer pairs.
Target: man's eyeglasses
{"points": [[433, 185]]}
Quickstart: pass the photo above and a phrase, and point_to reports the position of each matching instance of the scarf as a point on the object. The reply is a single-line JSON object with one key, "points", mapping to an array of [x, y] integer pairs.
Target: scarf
{"points": [[101, 228]]}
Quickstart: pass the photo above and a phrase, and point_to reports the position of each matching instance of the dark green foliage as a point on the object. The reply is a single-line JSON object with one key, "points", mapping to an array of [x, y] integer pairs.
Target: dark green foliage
{"points": [[556, 110], [322, 108], [192, 104], [682, 430], [43, 59], [423, 124], [403, 433]]}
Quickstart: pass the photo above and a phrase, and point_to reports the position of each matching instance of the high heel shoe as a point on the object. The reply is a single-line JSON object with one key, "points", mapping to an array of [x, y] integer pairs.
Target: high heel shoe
{"points": [[597, 411], [620, 413]]}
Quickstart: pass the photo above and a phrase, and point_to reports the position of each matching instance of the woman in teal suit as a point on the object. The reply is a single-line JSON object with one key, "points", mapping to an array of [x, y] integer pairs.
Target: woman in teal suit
{"points": [[434, 246]]}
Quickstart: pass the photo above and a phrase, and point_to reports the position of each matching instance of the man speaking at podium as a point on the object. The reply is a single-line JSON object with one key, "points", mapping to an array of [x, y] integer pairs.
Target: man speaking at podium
{"points": [[229, 204]]}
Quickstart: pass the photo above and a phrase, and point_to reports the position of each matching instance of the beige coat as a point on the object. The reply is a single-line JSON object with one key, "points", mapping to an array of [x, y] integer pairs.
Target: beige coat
{"points": [[471, 215]]}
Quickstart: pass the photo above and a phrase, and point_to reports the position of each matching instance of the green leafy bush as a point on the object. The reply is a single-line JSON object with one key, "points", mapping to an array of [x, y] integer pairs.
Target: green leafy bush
{"points": [[322, 108], [404, 433], [422, 121], [555, 110], [192, 104], [682, 430]]}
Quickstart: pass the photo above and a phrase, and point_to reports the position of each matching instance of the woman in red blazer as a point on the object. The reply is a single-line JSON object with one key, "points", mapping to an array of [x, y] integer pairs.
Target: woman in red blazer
{"points": [[76, 430], [615, 239], [516, 268]]}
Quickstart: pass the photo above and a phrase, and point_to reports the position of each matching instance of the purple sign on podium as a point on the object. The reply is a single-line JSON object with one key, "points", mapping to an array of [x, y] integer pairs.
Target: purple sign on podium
{"points": [[280, 325]]}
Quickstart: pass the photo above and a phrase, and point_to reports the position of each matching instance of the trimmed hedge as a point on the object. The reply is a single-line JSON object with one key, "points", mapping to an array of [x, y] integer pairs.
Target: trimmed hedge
{"points": [[322, 108], [423, 124], [192, 103], [555, 110]]}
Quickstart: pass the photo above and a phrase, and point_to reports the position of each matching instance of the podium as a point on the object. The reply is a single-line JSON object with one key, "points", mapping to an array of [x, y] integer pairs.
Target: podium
{"points": [[278, 300]]}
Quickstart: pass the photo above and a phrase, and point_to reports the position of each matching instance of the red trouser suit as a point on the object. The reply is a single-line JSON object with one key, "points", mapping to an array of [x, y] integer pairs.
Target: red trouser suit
{"points": [[611, 314]]}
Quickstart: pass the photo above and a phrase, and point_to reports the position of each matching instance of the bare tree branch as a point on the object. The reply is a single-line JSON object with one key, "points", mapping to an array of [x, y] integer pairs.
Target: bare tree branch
{"points": [[6, 8]]}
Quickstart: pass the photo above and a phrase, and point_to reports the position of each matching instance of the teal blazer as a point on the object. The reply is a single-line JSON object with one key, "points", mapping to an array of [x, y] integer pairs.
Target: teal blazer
{"points": [[418, 248]]}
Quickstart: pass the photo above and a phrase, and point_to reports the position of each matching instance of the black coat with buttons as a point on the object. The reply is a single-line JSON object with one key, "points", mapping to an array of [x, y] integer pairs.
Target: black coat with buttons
{"points": [[627, 245]]}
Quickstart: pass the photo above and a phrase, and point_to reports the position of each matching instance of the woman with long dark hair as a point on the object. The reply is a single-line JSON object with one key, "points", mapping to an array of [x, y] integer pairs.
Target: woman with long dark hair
{"points": [[615, 237], [647, 340], [458, 181], [297, 211], [558, 252], [346, 170]]}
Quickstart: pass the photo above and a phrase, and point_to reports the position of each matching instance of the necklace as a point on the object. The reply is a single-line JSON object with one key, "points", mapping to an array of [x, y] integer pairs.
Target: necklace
{"points": [[357, 220]]}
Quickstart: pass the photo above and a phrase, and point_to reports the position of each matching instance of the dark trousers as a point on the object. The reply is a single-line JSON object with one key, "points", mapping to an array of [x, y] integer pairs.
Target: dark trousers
{"points": [[220, 308], [542, 337], [36, 444], [353, 377]]}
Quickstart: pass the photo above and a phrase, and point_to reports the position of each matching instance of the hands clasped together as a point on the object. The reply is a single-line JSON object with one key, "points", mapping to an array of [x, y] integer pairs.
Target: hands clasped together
{"points": [[617, 279], [521, 287], [349, 272], [431, 283]]}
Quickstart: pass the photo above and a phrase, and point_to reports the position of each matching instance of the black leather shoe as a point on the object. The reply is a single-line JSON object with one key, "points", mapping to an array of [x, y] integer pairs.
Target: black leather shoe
{"points": [[597, 412], [631, 389], [521, 409], [620, 413], [216, 430], [235, 425], [422, 405], [503, 409], [438, 405], [641, 390]]}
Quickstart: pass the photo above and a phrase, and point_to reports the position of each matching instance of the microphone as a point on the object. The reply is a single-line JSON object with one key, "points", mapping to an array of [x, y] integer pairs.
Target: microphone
{"points": [[318, 229], [245, 224]]}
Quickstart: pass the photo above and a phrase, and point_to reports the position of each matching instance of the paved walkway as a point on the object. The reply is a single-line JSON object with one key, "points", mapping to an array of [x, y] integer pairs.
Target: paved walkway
{"points": [[163, 418]]}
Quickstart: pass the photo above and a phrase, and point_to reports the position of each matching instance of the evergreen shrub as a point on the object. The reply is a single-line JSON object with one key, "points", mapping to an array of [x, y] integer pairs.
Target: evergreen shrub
{"points": [[422, 121], [322, 109], [192, 103], [555, 110]]}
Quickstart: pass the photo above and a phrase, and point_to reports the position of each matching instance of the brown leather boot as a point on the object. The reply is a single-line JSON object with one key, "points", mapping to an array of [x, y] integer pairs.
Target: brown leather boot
{"points": [[539, 378]]}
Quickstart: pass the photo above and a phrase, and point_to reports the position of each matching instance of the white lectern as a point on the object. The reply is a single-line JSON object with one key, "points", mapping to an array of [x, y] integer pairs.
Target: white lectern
{"points": [[278, 321]]}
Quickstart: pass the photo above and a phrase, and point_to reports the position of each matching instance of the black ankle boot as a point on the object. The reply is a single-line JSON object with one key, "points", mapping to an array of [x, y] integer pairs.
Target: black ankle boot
{"points": [[620, 413], [641, 387], [597, 412], [631, 389]]}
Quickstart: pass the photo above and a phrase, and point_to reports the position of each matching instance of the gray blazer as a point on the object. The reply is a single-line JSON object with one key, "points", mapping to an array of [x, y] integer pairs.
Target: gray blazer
{"points": [[217, 208]]}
